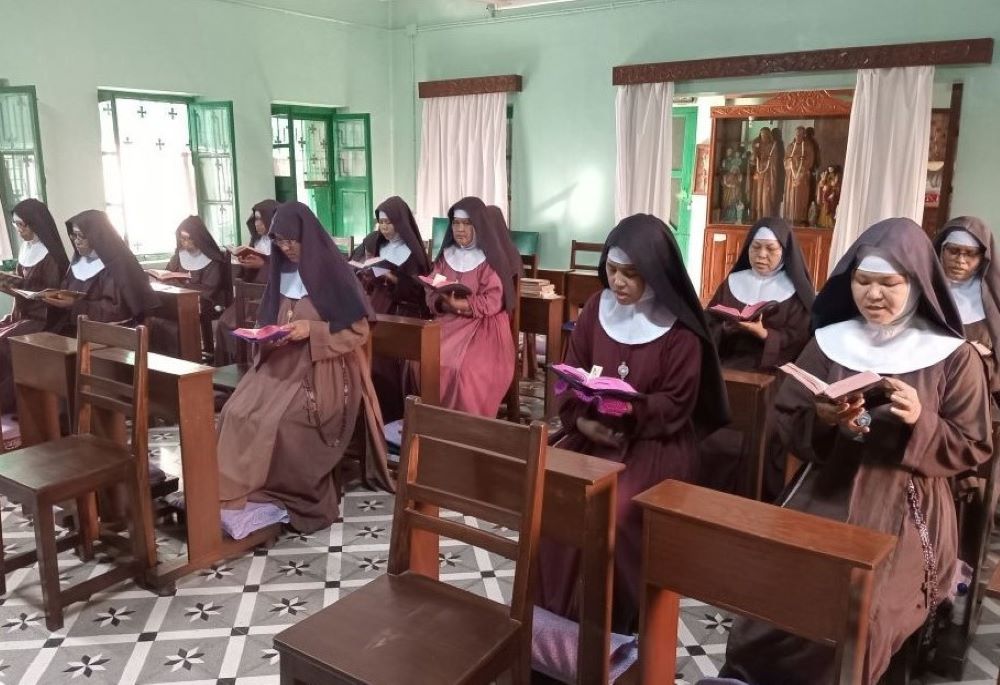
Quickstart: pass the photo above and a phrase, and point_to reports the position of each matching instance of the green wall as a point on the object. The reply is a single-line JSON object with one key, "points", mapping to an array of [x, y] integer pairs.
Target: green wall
{"points": [[564, 150]]}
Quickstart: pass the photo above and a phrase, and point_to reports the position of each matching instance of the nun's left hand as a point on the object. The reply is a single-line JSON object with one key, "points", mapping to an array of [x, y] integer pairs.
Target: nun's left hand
{"points": [[905, 401], [754, 328]]}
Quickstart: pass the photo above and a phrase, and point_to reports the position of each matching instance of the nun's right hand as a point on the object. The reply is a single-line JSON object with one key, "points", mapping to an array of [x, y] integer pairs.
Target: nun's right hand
{"points": [[597, 432]]}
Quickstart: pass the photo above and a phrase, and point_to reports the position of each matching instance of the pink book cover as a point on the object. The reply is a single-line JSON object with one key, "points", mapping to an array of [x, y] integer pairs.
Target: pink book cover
{"points": [[440, 284], [858, 383], [265, 334], [750, 312]]}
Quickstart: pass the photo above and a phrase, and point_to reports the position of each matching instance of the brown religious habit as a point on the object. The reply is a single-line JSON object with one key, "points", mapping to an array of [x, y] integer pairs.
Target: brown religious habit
{"points": [[895, 479], [799, 162]]}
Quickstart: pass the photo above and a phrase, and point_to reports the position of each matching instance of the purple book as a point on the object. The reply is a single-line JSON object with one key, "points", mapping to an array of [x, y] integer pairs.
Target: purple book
{"points": [[265, 334], [612, 395]]}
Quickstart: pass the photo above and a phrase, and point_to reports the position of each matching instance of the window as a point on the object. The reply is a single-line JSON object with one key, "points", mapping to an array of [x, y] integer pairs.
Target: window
{"points": [[22, 173], [165, 158], [323, 159]]}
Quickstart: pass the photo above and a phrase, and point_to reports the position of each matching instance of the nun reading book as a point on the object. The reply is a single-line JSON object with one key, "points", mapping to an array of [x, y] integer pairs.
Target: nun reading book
{"points": [[41, 264], [209, 272], [881, 459], [770, 273], [308, 397], [965, 246], [646, 328], [253, 269], [398, 258], [115, 288], [477, 347]]}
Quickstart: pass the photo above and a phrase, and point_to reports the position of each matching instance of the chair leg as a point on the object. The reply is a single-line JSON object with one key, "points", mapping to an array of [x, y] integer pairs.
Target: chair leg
{"points": [[87, 523], [3, 566], [140, 527], [48, 565]]}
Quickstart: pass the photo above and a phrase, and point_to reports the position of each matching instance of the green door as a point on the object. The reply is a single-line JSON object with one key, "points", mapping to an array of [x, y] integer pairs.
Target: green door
{"points": [[682, 172], [352, 181]]}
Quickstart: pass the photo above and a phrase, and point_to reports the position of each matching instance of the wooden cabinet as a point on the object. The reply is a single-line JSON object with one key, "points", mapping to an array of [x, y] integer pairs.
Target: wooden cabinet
{"points": [[722, 249]]}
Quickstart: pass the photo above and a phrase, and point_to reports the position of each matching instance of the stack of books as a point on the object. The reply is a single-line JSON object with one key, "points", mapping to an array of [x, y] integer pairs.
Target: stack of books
{"points": [[537, 287]]}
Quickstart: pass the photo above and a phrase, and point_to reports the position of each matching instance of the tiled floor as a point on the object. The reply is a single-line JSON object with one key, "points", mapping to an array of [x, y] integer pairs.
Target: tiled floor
{"points": [[218, 625]]}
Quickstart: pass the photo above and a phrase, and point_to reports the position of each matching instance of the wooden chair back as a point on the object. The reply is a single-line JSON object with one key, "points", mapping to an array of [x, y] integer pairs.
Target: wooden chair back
{"points": [[492, 470], [804, 574], [97, 388], [345, 244], [530, 263], [246, 303], [577, 248]]}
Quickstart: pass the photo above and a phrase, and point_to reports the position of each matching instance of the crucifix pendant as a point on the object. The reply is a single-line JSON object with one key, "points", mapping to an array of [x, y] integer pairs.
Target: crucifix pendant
{"points": [[623, 370]]}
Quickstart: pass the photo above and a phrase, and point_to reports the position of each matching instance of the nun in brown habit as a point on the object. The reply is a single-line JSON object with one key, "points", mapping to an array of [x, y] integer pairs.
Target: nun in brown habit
{"points": [[882, 460], [646, 327], [197, 254], [770, 268], [41, 263], [253, 269], [294, 414], [965, 246], [117, 289], [395, 290]]}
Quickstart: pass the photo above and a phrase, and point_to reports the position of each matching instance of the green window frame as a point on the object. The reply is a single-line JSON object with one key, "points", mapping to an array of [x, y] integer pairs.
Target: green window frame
{"points": [[22, 168], [212, 141], [684, 174]]}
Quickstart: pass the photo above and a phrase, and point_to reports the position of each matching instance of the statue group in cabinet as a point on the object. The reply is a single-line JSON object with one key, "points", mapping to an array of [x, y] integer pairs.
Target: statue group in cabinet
{"points": [[769, 178]]}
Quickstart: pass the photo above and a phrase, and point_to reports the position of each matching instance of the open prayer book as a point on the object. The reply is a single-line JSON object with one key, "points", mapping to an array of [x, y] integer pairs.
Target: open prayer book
{"points": [[751, 312], [54, 293], [245, 250], [835, 392], [379, 266], [612, 396], [265, 334], [440, 284], [164, 275]]}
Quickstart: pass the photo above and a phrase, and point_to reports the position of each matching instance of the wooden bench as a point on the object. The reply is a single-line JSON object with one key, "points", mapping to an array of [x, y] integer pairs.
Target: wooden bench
{"points": [[179, 392], [750, 397], [578, 509], [416, 340], [181, 306], [804, 574], [543, 316]]}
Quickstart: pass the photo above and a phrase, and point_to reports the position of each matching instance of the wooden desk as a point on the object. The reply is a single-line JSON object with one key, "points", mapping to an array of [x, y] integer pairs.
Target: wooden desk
{"points": [[181, 305], [578, 509], [543, 316], [419, 340], [179, 392], [750, 398], [804, 574]]}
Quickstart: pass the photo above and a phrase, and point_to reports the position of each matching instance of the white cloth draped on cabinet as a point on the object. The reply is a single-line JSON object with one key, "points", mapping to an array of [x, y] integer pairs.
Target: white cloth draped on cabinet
{"points": [[463, 151], [885, 172], [643, 120]]}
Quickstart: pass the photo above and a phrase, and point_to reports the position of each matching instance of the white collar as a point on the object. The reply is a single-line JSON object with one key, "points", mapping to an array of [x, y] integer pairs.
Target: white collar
{"points": [[395, 251], [749, 287], [968, 296], [32, 252], [463, 259], [85, 268], [634, 324], [263, 244], [860, 346], [292, 286], [193, 261]]}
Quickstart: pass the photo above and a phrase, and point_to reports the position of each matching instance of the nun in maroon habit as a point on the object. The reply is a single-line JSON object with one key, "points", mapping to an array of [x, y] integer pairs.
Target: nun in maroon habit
{"points": [[647, 327], [253, 269], [198, 254], [308, 398], [882, 460], [770, 268], [395, 290], [965, 246], [41, 263], [477, 346], [117, 289]]}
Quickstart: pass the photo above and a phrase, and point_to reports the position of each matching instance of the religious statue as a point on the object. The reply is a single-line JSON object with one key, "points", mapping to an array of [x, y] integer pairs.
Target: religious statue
{"points": [[828, 196], [798, 178], [765, 165], [732, 184]]}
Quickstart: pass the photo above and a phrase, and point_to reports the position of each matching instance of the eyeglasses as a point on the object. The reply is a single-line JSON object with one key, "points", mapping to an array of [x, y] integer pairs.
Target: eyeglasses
{"points": [[19, 224], [465, 223], [968, 253]]}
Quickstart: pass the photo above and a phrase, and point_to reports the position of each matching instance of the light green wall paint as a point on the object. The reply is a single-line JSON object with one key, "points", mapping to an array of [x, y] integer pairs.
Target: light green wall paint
{"points": [[565, 122], [204, 47]]}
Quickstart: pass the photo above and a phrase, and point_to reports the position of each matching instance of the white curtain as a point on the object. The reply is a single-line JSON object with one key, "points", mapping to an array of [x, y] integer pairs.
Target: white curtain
{"points": [[643, 120], [885, 173], [463, 151], [6, 252]]}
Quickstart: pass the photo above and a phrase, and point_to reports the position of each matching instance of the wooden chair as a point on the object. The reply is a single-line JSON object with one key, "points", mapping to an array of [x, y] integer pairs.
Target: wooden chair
{"points": [[807, 575], [577, 248], [246, 302], [78, 466], [404, 627], [345, 244]]}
